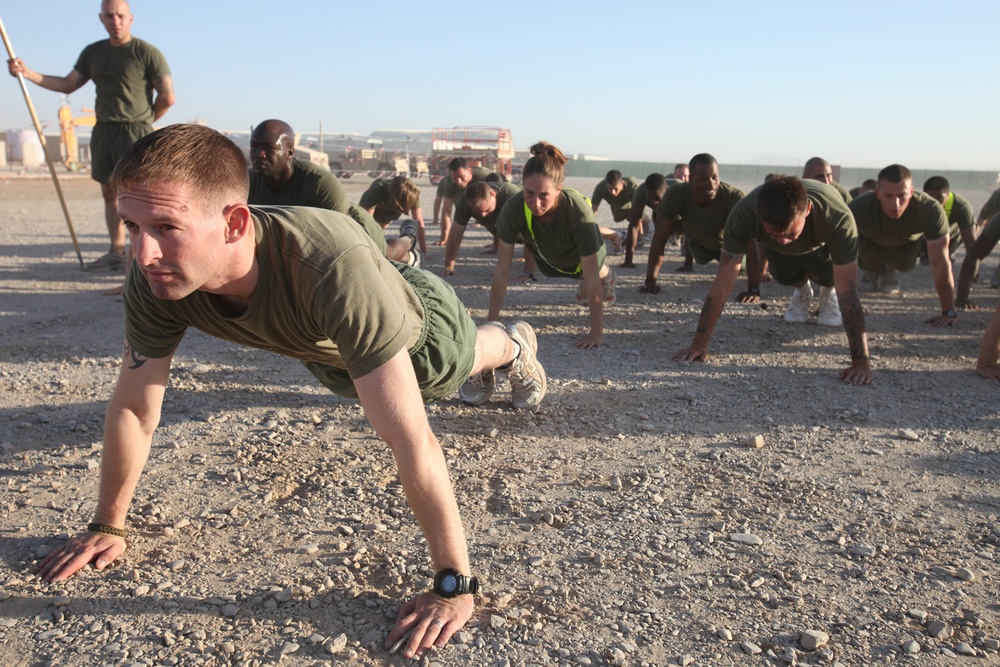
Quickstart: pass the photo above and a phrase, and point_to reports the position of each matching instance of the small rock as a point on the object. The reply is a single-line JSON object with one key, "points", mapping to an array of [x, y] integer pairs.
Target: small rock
{"points": [[308, 549], [963, 648], [141, 590], [289, 647], [61, 601], [685, 660], [992, 644], [863, 550], [939, 630], [175, 565], [745, 538], [725, 635], [43, 550], [909, 434], [813, 639], [337, 644], [497, 622], [911, 647], [750, 648], [917, 614], [754, 442], [229, 610], [789, 655], [963, 573]]}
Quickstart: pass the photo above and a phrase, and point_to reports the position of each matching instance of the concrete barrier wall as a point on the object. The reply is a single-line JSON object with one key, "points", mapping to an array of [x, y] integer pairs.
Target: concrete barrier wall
{"points": [[975, 186]]}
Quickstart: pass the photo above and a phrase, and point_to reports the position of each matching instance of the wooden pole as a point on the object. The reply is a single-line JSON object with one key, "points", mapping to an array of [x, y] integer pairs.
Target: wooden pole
{"points": [[41, 138]]}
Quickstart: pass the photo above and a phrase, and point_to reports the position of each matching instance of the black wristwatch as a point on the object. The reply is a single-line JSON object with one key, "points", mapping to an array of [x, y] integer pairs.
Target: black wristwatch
{"points": [[450, 583], [951, 312]]}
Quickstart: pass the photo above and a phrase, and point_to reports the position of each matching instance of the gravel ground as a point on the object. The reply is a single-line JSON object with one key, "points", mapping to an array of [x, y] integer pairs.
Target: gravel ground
{"points": [[753, 510]]}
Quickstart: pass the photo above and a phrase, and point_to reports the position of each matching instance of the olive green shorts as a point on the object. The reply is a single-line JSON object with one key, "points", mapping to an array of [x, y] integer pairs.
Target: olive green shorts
{"points": [[704, 254], [793, 270], [443, 355], [872, 256], [108, 142]]}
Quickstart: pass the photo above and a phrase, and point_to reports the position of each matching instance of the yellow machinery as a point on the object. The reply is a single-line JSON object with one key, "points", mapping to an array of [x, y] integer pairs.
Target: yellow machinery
{"points": [[67, 132]]}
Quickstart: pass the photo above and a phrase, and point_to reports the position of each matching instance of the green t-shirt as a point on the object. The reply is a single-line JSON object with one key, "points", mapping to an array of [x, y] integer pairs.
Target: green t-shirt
{"points": [[442, 186], [622, 202], [960, 216], [639, 202], [377, 197], [830, 224], [452, 191], [572, 232], [991, 229], [463, 212], [123, 76], [844, 192], [703, 225], [324, 294], [315, 186], [310, 185], [923, 217], [991, 207]]}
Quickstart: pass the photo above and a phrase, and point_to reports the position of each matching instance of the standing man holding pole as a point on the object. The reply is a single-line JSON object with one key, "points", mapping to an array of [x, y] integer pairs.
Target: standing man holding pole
{"points": [[126, 72]]}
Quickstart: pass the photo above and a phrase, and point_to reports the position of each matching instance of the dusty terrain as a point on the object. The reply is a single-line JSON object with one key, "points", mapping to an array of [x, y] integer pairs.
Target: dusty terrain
{"points": [[631, 521]]}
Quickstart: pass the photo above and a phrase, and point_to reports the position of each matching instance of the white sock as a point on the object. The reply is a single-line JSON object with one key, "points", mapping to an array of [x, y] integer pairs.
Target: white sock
{"points": [[824, 292], [805, 289]]}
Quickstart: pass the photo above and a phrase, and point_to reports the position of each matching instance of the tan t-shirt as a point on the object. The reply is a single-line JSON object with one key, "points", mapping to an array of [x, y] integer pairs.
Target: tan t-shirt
{"points": [[923, 216], [703, 225], [324, 293], [830, 224]]}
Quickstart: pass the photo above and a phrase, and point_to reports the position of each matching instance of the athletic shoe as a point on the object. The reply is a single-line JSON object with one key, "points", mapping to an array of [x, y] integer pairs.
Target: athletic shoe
{"points": [[995, 279], [869, 281], [409, 228], [888, 282], [414, 258], [478, 389], [798, 307], [829, 309], [608, 287], [526, 375], [109, 261]]}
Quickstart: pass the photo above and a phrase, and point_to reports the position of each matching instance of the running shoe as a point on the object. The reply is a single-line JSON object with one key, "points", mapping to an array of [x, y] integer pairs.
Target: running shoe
{"points": [[109, 261], [526, 375], [478, 389], [829, 309]]}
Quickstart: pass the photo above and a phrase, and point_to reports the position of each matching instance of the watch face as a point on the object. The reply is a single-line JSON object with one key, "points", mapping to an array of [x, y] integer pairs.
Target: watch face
{"points": [[449, 584]]}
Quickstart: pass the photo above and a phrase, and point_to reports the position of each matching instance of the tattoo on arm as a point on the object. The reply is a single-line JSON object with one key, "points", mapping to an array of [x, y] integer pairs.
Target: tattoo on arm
{"points": [[706, 316], [137, 359], [854, 323], [163, 84], [726, 258]]}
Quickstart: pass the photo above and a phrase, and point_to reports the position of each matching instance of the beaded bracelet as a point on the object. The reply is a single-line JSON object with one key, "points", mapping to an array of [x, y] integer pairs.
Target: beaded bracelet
{"points": [[107, 530]]}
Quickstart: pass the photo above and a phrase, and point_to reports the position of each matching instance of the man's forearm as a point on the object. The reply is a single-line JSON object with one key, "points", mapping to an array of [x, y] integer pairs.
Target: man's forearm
{"points": [[853, 314], [126, 449]]}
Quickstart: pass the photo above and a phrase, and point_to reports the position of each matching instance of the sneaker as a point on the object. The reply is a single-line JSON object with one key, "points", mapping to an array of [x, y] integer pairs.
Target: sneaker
{"points": [[478, 389], [829, 309], [109, 261], [409, 228], [995, 279], [869, 281], [414, 258], [526, 375], [608, 287], [798, 307], [888, 282]]}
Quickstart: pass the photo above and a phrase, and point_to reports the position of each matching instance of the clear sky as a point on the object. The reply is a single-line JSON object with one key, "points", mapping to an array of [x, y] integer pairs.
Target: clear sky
{"points": [[863, 84]]}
